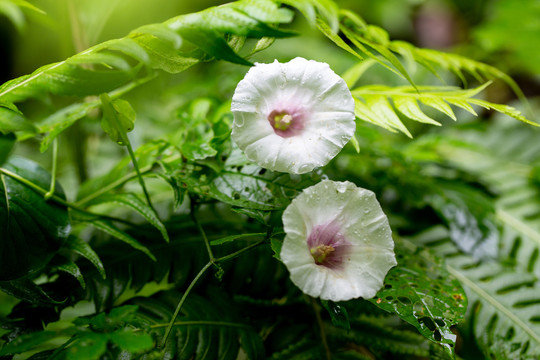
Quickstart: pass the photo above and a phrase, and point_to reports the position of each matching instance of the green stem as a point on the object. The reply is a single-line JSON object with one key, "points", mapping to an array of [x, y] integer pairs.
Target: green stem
{"points": [[139, 175], [182, 300], [320, 323], [201, 323], [52, 188], [239, 252], [203, 234]]}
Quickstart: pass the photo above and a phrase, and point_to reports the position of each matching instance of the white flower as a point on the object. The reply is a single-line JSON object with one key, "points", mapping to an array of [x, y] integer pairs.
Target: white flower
{"points": [[339, 244], [292, 117]]}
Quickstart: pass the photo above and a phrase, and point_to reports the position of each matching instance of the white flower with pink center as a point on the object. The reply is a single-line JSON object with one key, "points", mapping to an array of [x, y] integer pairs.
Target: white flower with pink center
{"points": [[338, 244], [292, 117]]}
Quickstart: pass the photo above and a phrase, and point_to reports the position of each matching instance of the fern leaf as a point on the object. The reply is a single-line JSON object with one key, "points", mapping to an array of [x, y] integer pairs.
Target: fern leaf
{"points": [[318, 11], [372, 104], [505, 301], [500, 159]]}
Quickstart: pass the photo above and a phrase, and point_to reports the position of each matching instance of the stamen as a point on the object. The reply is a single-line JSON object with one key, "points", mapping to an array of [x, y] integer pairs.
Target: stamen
{"points": [[282, 121], [321, 252]]}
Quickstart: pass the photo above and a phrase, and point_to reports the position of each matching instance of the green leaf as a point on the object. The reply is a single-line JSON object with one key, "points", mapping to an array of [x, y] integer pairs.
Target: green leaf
{"points": [[207, 327], [72, 269], [33, 229], [132, 201], [111, 229], [230, 238], [131, 341], [470, 216], [26, 290], [338, 314], [409, 107], [89, 346], [27, 342], [6, 145], [11, 121], [420, 291], [118, 119], [371, 104], [59, 121], [505, 300], [83, 248]]}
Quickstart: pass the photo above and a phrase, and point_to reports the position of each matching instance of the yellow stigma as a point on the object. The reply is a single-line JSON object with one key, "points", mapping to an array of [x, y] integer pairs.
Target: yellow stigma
{"points": [[321, 252], [282, 121]]}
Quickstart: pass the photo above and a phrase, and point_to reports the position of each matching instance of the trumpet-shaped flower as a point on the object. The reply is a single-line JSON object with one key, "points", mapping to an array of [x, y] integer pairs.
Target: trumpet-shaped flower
{"points": [[292, 117], [338, 244]]}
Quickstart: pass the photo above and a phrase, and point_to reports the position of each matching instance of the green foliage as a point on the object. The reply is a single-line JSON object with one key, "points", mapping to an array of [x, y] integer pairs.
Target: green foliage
{"points": [[372, 104], [504, 301], [33, 229], [409, 292], [184, 233]]}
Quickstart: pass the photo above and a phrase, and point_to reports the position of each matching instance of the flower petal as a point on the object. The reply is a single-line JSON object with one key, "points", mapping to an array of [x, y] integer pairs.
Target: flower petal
{"points": [[320, 106], [363, 225]]}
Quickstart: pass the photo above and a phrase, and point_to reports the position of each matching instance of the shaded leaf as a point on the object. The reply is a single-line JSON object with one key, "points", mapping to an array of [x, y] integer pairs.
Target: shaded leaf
{"points": [[133, 202], [111, 229], [420, 291], [83, 248], [33, 229]]}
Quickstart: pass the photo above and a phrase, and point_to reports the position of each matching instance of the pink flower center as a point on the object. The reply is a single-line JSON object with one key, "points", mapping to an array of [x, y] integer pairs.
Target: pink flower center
{"points": [[287, 123], [328, 246]]}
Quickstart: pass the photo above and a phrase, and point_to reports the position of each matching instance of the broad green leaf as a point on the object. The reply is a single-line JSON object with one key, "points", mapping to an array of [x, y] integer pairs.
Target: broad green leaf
{"points": [[89, 346], [33, 229], [11, 121], [27, 342], [132, 201], [338, 314], [118, 119], [114, 231], [420, 291], [131, 341], [6, 145], [82, 248], [26, 290]]}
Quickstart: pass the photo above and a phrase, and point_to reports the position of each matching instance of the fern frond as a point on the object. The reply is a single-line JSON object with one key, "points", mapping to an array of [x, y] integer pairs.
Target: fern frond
{"points": [[501, 158], [372, 104], [456, 64], [504, 302], [313, 10]]}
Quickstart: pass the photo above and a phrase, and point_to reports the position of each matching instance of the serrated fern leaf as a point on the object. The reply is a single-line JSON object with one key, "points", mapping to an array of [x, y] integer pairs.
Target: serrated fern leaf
{"points": [[372, 104], [204, 330], [504, 302], [501, 157], [317, 10]]}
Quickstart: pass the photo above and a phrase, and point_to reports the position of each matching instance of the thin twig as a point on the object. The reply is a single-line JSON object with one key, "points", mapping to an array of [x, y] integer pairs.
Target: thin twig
{"points": [[181, 303], [320, 323]]}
